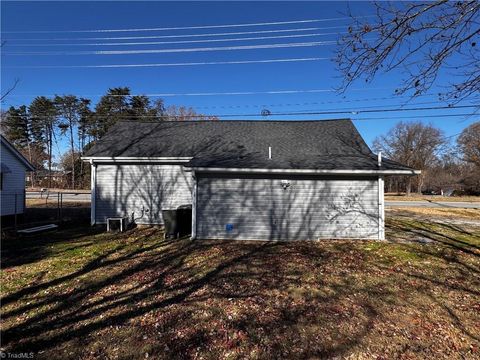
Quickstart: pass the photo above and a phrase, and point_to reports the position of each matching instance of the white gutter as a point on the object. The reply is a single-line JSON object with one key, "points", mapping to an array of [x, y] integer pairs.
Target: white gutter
{"points": [[305, 171], [381, 209], [93, 194], [123, 159], [194, 206]]}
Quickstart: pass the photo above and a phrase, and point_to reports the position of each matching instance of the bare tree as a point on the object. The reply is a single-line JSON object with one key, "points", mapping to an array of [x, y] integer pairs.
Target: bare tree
{"points": [[183, 113], [469, 144], [413, 144], [424, 40]]}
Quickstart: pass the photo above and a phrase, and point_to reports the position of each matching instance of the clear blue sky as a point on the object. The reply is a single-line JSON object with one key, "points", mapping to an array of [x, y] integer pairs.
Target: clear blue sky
{"points": [[43, 22]]}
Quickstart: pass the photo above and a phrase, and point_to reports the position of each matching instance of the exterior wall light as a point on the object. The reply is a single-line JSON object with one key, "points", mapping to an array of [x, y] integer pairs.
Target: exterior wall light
{"points": [[285, 184]]}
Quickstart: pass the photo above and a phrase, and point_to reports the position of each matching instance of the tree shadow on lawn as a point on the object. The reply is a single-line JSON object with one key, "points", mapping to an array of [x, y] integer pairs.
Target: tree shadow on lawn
{"points": [[181, 298], [443, 233], [18, 251]]}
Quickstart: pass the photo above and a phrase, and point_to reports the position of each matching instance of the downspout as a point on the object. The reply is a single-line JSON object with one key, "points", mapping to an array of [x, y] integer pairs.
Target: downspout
{"points": [[93, 191], [381, 202], [194, 206]]}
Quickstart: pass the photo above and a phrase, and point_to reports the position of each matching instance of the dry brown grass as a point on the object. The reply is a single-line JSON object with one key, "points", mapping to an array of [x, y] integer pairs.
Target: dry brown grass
{"points": [[415, 197], [80, 295], [472, 214]]}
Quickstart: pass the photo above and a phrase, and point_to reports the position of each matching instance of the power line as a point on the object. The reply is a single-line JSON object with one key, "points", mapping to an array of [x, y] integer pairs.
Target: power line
{"points": [[269, 92], [368, 110], [184, 35], [436, 116], [415, 117], [161, 51], [184, 41], [168, 64], [188, 27], [308, 103], [327, 112], [353, 110]]}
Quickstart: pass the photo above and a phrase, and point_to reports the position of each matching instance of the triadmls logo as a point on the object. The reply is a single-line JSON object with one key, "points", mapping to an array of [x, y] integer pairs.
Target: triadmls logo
{"points": [[19, 355]]}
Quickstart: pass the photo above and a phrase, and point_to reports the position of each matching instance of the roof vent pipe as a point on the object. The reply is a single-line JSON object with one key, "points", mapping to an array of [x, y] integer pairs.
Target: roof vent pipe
{"points": [[379, 159], [269, 153]]}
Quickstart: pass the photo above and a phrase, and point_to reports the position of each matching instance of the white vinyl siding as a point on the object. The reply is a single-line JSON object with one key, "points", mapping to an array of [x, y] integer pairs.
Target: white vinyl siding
{"points": [[259, 208], [140, 189], [13, 184]]}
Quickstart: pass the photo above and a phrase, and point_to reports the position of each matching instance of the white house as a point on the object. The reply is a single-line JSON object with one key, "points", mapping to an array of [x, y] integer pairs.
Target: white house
{"points": [[12, 178], [257, 180]]}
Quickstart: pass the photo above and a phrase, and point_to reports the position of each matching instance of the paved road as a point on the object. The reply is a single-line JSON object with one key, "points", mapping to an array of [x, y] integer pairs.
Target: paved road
{"points": [[423, 204], [434, 204]]}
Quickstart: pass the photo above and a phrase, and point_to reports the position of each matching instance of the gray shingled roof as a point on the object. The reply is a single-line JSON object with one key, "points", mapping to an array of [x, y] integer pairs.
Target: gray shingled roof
{"points": [[322, 144]]}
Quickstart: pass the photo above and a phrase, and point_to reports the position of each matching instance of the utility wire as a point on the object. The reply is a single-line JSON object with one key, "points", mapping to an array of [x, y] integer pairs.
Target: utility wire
{"points": [[189, 27], [415, 117], [181, 36], [167, 64], [336, 112], [274, 92], [182, 50], [436, 116], [367, 111], [353, 110], [183, 41], [231, 106]]}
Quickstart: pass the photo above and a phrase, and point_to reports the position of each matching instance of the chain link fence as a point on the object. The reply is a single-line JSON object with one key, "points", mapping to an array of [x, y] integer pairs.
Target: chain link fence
{"points": [[24, 209]]}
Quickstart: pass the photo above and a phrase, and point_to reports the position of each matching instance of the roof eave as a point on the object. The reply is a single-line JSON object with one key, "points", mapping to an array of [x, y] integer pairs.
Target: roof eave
{"points": [[305, 171], [142, 159]]}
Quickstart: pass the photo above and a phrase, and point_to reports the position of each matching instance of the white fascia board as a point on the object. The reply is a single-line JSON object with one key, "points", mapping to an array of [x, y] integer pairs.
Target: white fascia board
{"points": [[127, 159], [306, 171]]}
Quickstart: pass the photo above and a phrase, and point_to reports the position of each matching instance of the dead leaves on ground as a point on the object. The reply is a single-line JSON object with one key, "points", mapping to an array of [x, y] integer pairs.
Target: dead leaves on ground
{"points": [[207, 300]]}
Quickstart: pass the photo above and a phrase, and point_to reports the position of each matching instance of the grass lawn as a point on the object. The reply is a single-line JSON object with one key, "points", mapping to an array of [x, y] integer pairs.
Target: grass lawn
{"points": [[82, 294], [472, 215]]}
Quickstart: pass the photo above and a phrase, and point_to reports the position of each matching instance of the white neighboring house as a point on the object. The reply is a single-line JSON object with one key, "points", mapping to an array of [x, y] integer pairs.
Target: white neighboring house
{"points": [[12, 179]]}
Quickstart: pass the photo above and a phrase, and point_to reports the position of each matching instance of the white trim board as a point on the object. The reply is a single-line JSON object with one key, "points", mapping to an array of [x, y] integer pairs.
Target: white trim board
{"points": [[126, 159], [305, 171]]}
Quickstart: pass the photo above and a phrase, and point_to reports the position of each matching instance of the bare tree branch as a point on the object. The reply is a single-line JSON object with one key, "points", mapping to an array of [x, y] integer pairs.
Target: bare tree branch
{"points": [[423, 40], [6, 93], [15, 82]]}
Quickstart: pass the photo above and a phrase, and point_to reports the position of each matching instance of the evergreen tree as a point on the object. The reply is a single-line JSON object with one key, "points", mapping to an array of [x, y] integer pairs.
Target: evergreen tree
{"points": [[141, 109], [15, 126], [112, 107], [69, 109]]}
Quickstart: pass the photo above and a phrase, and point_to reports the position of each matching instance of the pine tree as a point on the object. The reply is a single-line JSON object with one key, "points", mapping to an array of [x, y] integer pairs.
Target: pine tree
{"points": [[43, 114], [112, 107], [15, 126]]}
